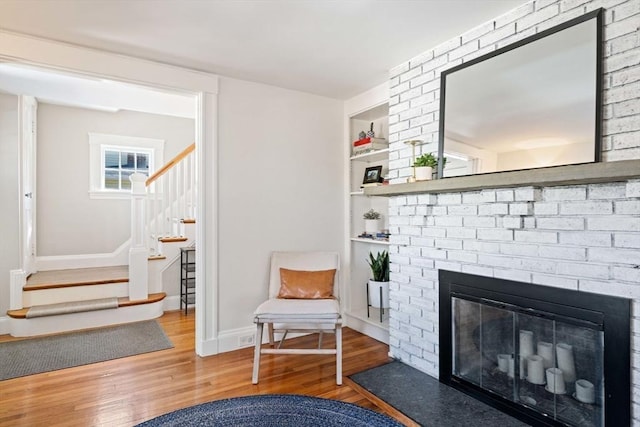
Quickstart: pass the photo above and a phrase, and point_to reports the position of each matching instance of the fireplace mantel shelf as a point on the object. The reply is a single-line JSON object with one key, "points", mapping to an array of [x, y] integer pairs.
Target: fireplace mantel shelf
{"points": [[588, 173]]}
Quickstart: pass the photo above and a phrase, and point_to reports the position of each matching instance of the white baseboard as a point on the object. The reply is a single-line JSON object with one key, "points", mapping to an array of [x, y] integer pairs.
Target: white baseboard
{"points": [[172, 303], [235, 339], [376, 332]]}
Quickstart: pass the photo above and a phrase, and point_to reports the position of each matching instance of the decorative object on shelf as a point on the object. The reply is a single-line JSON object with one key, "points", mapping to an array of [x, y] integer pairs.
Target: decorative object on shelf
{"points": [[425, 166], [367, 144], [362, 135], [371, 133], [378, 285], [371, 222], [413, 143], [372, 175]]}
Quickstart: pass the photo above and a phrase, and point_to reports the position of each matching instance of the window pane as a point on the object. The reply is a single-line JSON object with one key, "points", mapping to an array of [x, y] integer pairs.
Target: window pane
{"points": [[112, 179], [143, 163], [126, 183], [111, 159], [128, 160]]}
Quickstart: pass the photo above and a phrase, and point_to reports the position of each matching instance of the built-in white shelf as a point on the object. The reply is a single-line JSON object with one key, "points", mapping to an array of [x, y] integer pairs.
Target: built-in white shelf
{"points": [[373, 241], [357, 193], [372, 156]]}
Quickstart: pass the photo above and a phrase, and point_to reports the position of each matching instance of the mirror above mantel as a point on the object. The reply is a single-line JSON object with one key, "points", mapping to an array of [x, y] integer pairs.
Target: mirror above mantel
{"points": [[532, 104]]}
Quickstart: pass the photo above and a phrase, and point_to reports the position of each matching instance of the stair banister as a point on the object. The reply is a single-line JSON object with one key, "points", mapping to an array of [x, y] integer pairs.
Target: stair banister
{"points": [[171, 195]]}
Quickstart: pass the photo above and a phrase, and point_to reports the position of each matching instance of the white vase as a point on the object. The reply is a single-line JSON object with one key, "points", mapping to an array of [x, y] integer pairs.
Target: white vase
{"points": [[423, 173], [374, 294], [371, 226]]}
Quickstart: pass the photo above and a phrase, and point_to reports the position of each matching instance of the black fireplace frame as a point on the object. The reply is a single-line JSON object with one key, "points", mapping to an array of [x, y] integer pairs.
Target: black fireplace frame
{"points": [[613, 312]]}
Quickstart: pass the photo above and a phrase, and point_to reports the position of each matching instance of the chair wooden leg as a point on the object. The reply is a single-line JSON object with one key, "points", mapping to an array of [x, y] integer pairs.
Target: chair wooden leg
{"points": [[339, 354], [284, 337], [271, 338], [256, 354]]}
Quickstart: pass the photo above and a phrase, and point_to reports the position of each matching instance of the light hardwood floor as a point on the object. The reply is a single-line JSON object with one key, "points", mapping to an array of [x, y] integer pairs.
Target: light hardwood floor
{"points": [[130, 390]]}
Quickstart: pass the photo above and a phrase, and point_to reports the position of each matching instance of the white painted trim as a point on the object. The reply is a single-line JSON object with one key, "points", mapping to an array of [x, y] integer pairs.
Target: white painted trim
{"points": [[96, 166], [228, 340], [64, 262], [50, 54], [92, 62], [171, 303], [376, 332], [207, 226]]}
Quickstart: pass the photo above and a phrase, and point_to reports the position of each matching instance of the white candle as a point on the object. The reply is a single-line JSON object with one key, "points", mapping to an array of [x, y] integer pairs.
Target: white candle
{"points": [[535, 369], [555, 381], [585, 392], [564, 353], [545, 350]]}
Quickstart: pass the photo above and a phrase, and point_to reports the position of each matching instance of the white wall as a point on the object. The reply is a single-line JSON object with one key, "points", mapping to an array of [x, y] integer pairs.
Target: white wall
{"points": [[280, 186], [68, 221], [9, 226]]}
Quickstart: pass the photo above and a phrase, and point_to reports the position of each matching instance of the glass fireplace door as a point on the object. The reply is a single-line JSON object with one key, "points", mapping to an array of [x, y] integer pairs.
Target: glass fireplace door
{"points": [[548, 363]]}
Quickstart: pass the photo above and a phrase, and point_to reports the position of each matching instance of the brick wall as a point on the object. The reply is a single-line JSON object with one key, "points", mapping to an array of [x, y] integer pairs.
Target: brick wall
{"points": [[584, 237]]}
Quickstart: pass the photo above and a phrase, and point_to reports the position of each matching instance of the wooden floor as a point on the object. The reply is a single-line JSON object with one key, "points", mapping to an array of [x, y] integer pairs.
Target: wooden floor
{"points": [[130, 390]]}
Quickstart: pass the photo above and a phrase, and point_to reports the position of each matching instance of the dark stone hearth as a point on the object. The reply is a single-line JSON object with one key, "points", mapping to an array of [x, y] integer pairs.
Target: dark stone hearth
{"points": [[427, 401]]}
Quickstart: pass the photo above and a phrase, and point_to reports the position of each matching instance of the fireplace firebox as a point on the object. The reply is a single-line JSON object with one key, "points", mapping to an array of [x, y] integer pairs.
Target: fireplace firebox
{"points": [[548, 356]]}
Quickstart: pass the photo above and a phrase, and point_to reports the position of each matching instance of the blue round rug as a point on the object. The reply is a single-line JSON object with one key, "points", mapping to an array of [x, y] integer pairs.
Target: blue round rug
{"points": [[274, 410]]}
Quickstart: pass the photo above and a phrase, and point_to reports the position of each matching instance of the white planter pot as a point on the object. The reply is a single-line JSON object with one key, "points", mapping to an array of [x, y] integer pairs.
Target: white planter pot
{"points": [[423, 173], [374, 294], [371, 226]]}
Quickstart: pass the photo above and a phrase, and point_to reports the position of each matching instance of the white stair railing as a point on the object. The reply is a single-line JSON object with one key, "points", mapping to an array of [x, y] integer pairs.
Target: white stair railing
{"points": [[171, 195]]}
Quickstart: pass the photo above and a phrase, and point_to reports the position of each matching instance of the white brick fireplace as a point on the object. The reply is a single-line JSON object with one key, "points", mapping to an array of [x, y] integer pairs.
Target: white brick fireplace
{"points": [[583, 237]]}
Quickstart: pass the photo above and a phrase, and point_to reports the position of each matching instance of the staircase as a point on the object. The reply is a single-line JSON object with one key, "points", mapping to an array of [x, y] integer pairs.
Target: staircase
{"points": [[163, 221]]}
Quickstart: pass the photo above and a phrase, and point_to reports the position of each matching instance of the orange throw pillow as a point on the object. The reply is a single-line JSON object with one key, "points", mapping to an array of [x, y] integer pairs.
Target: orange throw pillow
{"points": [[297, 284]]}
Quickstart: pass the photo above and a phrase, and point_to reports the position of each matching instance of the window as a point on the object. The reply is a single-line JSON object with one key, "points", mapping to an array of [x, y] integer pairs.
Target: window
{"points": [[113, 158]]}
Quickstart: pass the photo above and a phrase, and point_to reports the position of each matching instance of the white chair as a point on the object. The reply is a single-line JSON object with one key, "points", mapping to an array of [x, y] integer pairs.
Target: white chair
{"points": [[299, 315]]}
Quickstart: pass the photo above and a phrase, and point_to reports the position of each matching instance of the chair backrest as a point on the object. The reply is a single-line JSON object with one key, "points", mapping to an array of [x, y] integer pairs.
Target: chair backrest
{"points": [[310, 261]]}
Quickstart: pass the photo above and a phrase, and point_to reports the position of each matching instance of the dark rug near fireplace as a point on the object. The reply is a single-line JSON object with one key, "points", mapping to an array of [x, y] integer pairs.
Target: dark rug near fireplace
{"points": [[427, 401]]}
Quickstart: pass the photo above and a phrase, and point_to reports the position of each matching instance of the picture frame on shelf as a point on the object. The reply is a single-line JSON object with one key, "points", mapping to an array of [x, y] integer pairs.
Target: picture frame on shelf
{"points": [[372, 174]]}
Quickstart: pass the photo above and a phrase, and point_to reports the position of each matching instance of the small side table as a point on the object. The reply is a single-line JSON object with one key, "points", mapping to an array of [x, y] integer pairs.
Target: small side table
{"points": [[187, 277]]}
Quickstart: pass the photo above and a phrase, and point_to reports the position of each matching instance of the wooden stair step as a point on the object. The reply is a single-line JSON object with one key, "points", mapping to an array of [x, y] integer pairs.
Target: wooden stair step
{"points": [[172, 239], [77, 277], [82, 306]]}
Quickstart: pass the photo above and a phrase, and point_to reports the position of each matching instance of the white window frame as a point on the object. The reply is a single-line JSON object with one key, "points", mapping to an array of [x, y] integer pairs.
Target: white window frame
{"points": [[99, 142]]}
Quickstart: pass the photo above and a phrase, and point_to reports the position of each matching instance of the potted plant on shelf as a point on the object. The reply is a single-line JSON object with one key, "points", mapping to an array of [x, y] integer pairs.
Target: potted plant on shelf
{"points": [[426, 165], [371, 222], [378, 286]]}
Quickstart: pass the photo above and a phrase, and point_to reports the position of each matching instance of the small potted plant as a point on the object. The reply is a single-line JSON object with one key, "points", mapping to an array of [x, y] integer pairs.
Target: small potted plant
{"points": [[379, 283], [371, 221], [426, 165]]}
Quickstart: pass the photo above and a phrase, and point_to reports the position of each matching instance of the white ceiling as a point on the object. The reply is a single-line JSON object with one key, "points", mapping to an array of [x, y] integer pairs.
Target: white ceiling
{"points": [[334, 48]]}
